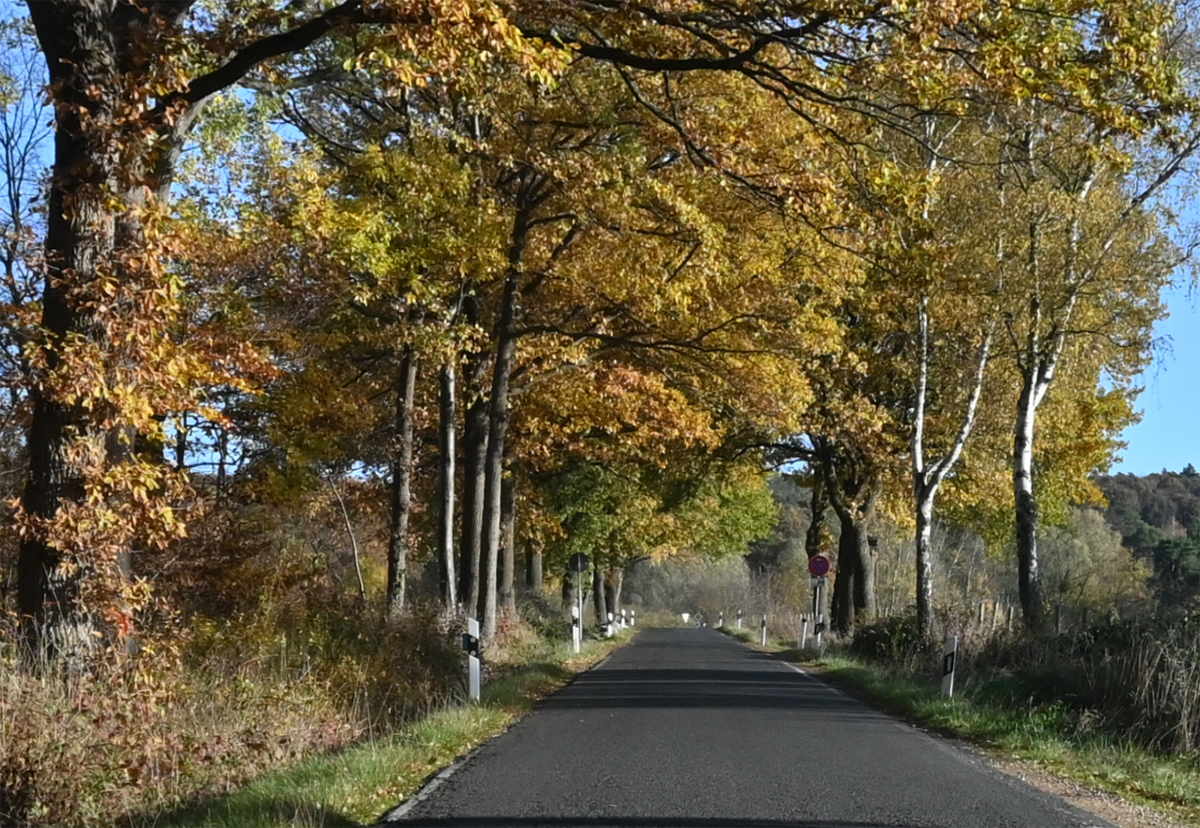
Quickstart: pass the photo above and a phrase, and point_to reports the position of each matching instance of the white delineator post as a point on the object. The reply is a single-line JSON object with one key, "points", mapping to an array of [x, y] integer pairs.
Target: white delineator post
{"points": [[576, 628], [739, 626], [579, 603], [803, 633], [948, 665], [633, 618], [473, 659], [608, 629], [763, 632]]}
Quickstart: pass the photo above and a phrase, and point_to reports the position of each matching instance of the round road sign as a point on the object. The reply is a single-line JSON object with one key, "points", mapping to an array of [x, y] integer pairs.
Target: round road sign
{"points": [[580, 562], [818, 566]]}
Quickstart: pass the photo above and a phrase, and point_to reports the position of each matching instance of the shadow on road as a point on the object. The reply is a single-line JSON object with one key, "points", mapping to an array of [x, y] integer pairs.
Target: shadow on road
{"points": [[630, 822], [693, 688]]}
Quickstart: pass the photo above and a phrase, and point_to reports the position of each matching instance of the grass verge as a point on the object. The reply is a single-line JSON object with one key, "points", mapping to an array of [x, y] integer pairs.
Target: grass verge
{"points": [[355, 786], [1044, 735]]}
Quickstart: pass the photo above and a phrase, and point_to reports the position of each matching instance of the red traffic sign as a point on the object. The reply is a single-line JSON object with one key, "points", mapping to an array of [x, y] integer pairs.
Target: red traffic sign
{"points": [[818, 566]]}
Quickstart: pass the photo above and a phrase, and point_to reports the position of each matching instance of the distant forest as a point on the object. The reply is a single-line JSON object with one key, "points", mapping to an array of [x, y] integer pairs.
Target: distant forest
{"points": [[1158, 516]]}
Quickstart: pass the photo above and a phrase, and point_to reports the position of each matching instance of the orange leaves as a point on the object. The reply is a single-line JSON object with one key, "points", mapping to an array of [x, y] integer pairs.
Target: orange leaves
{"points": [[609, 411]]}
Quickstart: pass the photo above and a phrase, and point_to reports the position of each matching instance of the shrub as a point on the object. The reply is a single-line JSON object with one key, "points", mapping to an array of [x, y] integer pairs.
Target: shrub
{"points": [[893, 641]]}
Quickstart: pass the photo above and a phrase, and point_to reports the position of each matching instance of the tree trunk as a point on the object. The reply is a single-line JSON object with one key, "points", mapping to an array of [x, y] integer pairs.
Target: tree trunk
{"points": [[864, 581], [924, 565], [397, 561], [616, 582], [927, 478], [80, 242], [181, 443], [222, 462], [818, 505], [506, 352], [568, 590], [598, 596], [475, 440], [508, 554], [1028, 580], [842, 611], [533, 566], [446, 435]]}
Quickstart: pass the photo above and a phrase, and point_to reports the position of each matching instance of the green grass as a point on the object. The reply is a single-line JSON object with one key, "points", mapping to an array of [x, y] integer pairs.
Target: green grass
{"points": [[748, 636], [783, 647], [356, 786], [1044, 735]]}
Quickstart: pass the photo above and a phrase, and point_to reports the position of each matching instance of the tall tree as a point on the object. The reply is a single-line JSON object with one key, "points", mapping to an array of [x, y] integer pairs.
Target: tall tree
{"points": [[1093, 261]]}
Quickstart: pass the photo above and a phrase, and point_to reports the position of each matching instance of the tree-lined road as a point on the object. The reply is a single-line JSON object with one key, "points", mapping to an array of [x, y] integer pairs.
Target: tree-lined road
{"points": [[690, 729]]}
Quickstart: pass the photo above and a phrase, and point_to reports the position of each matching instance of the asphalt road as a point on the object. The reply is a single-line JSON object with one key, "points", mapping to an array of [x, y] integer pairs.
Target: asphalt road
{"points": [[686, 728]]}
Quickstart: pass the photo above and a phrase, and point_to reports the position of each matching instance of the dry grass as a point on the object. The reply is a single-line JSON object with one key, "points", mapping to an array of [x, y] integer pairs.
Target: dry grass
{"points": [[190, 723], [165, 727]]}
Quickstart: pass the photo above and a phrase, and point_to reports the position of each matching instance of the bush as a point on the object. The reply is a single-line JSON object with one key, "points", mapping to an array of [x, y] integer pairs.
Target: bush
{"points": [[892, 641]]}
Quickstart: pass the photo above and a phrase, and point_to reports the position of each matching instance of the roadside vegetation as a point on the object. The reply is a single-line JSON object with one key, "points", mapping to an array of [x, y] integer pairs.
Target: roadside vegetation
{"points": [[358, 784], [279, 736]]}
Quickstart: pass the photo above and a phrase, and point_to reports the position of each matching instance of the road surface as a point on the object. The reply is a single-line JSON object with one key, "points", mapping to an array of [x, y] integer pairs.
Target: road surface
{"points": [[686, 728]]}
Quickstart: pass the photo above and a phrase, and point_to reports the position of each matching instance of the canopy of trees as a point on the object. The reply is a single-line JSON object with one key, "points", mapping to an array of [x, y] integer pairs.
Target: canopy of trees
{"points": [[533, 278]]}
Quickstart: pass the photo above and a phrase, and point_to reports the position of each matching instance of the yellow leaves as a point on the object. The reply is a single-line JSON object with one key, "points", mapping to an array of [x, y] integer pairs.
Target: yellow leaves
{"points": [[455, 42]]}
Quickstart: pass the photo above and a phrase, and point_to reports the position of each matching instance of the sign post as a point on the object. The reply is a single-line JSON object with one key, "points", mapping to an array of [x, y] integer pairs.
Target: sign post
{"points": [[818, 568], [471, 645], [948, 665]]}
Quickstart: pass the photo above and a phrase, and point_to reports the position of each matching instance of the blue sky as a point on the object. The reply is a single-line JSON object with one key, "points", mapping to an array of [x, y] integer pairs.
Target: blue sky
{"points": [[1168, 437]]}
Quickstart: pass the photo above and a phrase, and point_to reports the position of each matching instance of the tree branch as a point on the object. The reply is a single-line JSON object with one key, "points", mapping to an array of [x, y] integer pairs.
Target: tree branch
{"points": [[284, 43]]}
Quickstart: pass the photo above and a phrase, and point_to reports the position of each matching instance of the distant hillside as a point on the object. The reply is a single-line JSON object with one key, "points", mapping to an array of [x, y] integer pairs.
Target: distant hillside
{"points": [[1158, 516]]}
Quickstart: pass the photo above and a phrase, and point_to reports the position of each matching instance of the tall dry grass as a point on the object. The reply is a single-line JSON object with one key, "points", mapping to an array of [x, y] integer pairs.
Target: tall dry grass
{"points": [[1134, 680], [221, 704]]}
